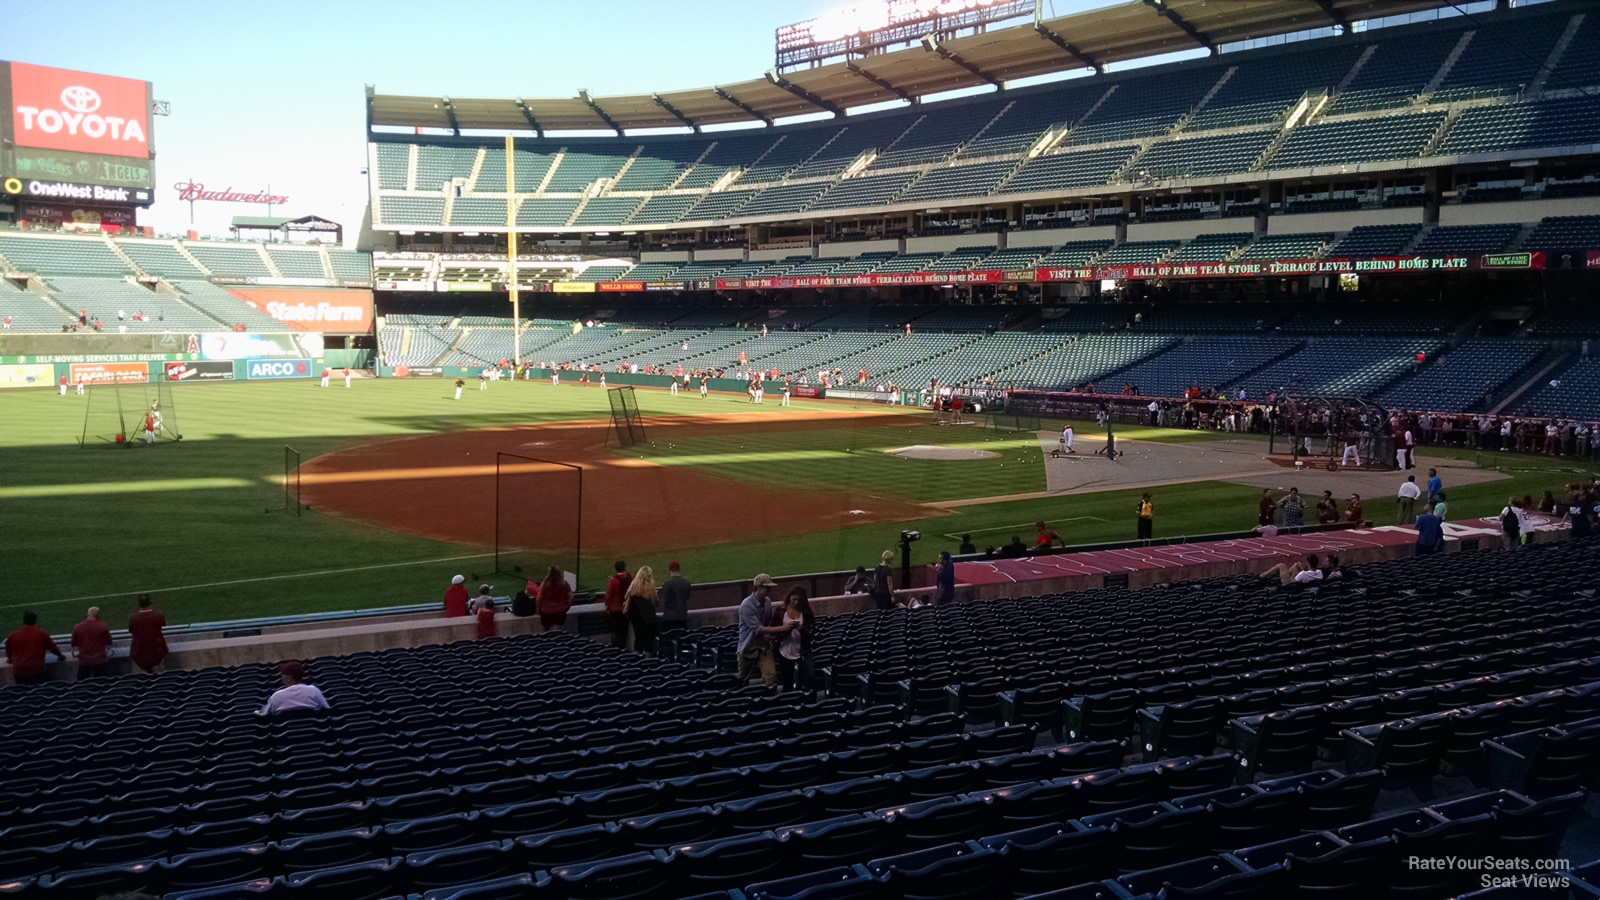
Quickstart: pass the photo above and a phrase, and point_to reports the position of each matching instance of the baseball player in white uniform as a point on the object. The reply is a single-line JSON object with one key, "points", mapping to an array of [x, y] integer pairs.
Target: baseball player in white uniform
{"points": [[1066, 440]]}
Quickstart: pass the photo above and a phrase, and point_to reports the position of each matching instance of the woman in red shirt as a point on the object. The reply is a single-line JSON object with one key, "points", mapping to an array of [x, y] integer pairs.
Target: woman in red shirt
{"points": [[555, 598]]}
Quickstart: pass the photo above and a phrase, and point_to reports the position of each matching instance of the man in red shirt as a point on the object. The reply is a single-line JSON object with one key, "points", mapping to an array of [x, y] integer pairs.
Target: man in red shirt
{"points": [[616, 592], [25, 650], [1046, 538], [455, 599], [91, 640], [147, 644]]}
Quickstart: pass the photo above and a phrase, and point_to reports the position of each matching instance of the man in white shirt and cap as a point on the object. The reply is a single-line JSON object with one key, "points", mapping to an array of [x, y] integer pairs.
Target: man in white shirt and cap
{"points": [[295, 693]]}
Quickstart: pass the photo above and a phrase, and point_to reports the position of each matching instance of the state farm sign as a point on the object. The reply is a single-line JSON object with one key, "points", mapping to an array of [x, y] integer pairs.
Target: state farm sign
{"points": [[329, 311], [59, 109]]}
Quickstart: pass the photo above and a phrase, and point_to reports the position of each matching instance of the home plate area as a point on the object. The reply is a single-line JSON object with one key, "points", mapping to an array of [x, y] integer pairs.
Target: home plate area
{"points": [[934, 451]]}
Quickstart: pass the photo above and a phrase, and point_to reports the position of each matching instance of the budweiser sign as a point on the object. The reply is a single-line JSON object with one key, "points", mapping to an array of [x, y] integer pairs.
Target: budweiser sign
{"points": [[190, 192], [58, 109]]}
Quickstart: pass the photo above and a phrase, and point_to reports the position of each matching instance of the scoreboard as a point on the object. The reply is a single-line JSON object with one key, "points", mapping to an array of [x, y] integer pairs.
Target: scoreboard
{"points": [[75, 147]]}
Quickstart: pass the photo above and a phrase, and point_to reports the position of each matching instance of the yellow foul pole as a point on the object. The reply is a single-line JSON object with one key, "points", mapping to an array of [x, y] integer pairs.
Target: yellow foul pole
{"points": [[511, 257]]}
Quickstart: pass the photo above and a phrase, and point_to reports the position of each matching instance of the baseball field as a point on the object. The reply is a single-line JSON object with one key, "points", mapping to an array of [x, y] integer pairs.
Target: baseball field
{"points": [[398, 481]]}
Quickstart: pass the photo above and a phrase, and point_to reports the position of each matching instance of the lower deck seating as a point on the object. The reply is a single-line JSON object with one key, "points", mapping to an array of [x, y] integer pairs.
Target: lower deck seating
{"points": [[1464, 377], [1204, 361], [1275, 738], [1347, 367], [1570, 392]]}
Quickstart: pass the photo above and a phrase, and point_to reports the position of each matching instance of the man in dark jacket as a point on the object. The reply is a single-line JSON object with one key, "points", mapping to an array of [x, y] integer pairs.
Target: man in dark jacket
{"points": [[675, 599], [945, 579], [616, 595]]}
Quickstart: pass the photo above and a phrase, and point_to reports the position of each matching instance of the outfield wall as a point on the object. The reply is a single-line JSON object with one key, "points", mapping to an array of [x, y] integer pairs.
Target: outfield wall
{"points": [[621, 379], [177, 370], [41, 360]]}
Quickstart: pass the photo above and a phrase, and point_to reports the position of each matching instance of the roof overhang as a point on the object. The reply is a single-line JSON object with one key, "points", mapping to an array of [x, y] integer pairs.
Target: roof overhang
{"points": [[1093, 39]]}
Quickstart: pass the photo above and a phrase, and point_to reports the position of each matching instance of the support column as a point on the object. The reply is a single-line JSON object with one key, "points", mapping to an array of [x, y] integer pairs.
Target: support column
{"points": [[1431, 187]]}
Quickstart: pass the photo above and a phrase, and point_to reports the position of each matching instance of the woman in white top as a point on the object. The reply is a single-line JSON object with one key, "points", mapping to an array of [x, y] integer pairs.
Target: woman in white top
{"points": [[794, 650]]}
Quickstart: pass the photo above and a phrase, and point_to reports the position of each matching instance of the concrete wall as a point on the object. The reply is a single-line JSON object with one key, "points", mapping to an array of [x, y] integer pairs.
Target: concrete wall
{"points": [[664, 256], [771, 253], [1190, 229], [732, 253], [856, 248], [1342, 221], [947, 242], [1052, 237], [1515, 211]]}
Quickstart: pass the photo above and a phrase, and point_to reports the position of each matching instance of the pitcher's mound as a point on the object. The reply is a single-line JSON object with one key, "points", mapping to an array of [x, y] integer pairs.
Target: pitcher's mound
{"points": [[932, 451]]}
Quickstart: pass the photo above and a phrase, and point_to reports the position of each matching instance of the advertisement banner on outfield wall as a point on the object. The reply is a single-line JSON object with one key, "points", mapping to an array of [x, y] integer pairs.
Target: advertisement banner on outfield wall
{"points": [[330, 311], [418, 371], [103, 373], [619, 287], [258, 369], [572, 287], [806, 390], [245, 345], [32, 375], [219, 370], [1594, 259]]}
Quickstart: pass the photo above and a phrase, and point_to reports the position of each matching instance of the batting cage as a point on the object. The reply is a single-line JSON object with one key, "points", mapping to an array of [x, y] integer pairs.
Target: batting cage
{"points": [[538, 516], [115, 414], [626, 422]]}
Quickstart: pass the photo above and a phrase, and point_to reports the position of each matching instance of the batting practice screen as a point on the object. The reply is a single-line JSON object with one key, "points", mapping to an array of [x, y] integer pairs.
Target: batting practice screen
{"points": [[625, 418], [538, 517]]}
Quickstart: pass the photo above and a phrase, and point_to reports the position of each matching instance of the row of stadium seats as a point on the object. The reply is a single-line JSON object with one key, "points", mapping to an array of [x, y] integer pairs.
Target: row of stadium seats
{"points": [[1316, 350], [105, 256], [1553, 235], [1352, 103], [1227, 738], [118, 304]]}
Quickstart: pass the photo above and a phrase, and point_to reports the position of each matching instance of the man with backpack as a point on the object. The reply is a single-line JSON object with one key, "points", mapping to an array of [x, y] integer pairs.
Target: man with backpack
{"points": [[1510, 525]]}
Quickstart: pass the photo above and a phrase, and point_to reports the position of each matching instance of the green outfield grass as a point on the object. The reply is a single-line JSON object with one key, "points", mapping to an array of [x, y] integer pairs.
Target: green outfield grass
{"points": [[188, 520]]}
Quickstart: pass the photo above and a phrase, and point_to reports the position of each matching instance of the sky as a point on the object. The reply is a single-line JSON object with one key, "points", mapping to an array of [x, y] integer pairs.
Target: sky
{"points": [[273, 94]]}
